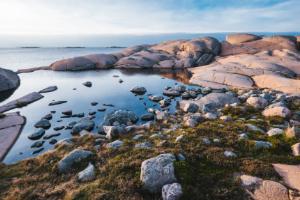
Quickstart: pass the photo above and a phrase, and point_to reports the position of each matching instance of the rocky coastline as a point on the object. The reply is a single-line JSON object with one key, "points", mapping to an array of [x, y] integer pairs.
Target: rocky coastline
{"points": [[237, 136]]}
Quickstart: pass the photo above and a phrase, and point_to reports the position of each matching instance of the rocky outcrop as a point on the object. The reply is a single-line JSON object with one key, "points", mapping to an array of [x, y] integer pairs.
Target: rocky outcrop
{"points": [[273, 70], [94, 61], [289, 174], [11, 125], [9, 80], [241, 38], [264, 44]]}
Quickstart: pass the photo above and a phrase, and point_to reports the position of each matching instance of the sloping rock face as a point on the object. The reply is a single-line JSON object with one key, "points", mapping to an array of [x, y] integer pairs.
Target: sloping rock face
{"points": [[289, 174], [273, 69], [10, 126], [9, 80], [253, 47]]}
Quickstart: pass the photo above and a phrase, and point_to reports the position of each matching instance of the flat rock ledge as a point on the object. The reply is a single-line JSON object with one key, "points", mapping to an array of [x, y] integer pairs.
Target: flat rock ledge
{"points": [[21, 102], [11, 125]]}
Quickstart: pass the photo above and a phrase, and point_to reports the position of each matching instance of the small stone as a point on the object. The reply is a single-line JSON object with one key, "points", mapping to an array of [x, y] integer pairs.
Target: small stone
{"points": [[54, 103], [179, 138], [94, 103], [226, 118], [262, 145], [38, 151], [48, 89], [115, 144], [138, 90], [147, 117], [156, 98], [144, 145], [210, 116], [37, 135], [58, 128], [37, 144], [88, 174], [275, 131], [206, 141], [230, 154], [292, 132], [172, 191], [296, 149], [67, 112], [87, 84], [257, 102], [102, 109], [48, 116], [46, 137], [53, 141], [43, 123]]}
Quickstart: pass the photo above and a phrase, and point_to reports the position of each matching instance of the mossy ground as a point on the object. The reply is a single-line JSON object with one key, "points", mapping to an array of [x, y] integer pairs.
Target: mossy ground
{"points": [[205, 174]]}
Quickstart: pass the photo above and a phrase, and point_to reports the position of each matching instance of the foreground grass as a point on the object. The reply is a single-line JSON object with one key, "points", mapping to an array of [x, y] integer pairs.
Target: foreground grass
{"points": [[205, 174]]}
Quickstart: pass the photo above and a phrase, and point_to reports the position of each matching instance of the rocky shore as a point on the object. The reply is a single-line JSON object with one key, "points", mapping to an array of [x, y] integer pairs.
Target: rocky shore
{"points": [[236, 136]]}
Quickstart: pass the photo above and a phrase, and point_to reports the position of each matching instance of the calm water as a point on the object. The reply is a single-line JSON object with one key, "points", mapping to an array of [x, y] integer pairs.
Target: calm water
{"points": [[106, 89]]}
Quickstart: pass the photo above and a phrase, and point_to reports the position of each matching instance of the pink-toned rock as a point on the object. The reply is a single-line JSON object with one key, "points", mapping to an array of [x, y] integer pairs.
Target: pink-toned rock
{"points": [[279, 83], [289, 174], [265, 44], [10, 127], [33, 69], [94, 61], [241, 38], [277, 111]]}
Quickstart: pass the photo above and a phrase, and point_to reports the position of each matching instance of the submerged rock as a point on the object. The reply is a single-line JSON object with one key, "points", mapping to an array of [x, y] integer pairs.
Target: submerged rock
{"points": [[54, 103], [48, 89], [121, 117], [138, 90]]}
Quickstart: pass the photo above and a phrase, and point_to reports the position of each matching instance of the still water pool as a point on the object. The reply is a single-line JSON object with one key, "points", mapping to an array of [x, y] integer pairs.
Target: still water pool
{"points": [[106, 89]]}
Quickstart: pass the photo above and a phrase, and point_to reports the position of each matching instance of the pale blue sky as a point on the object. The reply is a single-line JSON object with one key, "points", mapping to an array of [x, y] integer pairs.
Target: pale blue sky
{"points": [[52, 17]]}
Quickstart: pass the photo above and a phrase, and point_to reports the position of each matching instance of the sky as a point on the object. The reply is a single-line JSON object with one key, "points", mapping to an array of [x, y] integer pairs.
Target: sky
{"points": [[63, 17]]}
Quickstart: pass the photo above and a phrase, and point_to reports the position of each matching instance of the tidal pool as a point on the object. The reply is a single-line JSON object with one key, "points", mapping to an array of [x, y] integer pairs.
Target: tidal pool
{"points": [[106, 89]]}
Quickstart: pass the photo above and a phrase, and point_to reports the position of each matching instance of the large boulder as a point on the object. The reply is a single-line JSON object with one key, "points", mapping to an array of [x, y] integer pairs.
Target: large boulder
{"points": [[289, 174], [172, 191], [241, 38], [157, 172], [120, 117], [212, 101], [75, 157], [9, 80], [94, 61], [142, 59], [260, 189]]}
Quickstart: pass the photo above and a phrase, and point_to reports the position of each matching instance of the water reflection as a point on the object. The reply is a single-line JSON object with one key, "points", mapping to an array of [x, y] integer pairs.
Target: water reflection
{"points": [[106, 89]]}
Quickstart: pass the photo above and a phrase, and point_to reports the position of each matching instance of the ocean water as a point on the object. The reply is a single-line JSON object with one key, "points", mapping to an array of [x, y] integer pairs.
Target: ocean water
{"points": [[105, 90]]}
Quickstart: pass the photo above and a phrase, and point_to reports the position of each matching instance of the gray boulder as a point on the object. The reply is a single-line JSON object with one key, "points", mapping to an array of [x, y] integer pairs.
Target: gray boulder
{"points": [[158, 171], [75, 157], [9, 80], [121, 117], [83, 124], [88, 174]]}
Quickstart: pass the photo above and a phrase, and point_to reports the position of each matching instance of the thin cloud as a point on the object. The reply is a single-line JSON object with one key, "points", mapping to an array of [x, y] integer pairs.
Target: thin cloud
{"points": [[54, 17]]}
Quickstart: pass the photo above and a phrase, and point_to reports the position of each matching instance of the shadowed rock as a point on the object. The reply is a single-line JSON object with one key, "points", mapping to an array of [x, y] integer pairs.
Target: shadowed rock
{"points": [[10, 127]]}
